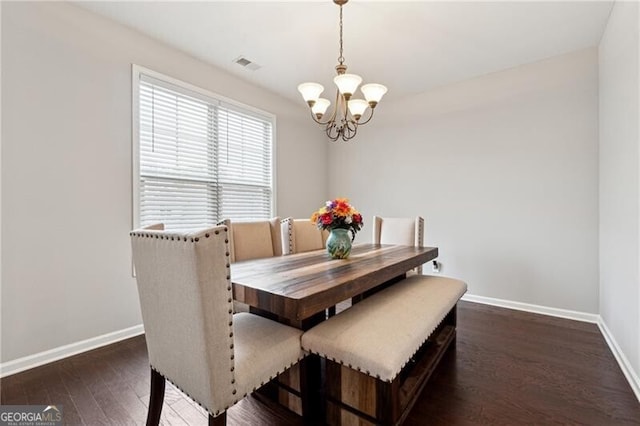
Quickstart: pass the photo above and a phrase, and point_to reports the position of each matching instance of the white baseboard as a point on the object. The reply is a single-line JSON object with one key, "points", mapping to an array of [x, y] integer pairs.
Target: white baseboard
{"points": [[536, 309], [623, 362], [625, 365], [35, 360]]}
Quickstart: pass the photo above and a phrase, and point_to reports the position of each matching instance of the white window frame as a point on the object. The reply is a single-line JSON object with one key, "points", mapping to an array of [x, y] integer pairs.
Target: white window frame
{"points": [[137, 71]]}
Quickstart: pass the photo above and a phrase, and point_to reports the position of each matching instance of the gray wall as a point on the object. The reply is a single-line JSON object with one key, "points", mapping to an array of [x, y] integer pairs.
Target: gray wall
{"points": [[619, 176], [504, 169], [66, 169]]}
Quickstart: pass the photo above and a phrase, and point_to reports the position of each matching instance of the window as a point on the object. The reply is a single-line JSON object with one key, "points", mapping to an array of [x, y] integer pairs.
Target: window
{"points": [[198, 157]]}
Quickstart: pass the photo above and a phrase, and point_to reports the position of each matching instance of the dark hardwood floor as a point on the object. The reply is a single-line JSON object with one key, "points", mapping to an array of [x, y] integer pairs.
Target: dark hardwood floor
{"points": [[509, 368]]}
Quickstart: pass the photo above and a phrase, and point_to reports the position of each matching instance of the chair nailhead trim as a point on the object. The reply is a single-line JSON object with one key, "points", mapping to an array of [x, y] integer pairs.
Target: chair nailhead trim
{"points": [[217, 412]]}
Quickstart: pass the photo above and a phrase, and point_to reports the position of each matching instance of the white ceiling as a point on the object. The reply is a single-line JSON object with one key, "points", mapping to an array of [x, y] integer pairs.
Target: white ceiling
{"points": [[410, 47]]}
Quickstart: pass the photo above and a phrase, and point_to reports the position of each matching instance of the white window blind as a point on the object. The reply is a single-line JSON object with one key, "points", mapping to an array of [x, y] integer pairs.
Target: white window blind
{"points": [[201, 159]]}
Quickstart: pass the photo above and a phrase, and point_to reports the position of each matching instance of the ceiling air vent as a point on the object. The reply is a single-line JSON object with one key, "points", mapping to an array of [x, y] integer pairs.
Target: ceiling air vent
{"points": [[245, 63]]}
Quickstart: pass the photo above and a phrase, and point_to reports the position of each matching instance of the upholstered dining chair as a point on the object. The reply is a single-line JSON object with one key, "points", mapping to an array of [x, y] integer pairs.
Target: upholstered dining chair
{"points": [[406, 231], [253, 240], [301, 235], [193, 338]]}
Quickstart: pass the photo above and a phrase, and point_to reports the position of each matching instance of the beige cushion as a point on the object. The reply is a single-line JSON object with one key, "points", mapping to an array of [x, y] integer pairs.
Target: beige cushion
{"points": [[186, 302], [379, 335], [263, 349], [408, 231], [252, 240], [155, 226], [302, 235]]}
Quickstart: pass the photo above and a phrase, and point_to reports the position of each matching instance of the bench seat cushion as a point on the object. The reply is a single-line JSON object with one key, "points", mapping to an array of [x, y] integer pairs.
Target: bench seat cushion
{"points": [[379, 335]]}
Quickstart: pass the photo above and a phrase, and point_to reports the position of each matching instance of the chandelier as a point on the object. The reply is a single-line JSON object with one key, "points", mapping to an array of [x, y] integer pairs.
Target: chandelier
{"points": [[347, 115]]}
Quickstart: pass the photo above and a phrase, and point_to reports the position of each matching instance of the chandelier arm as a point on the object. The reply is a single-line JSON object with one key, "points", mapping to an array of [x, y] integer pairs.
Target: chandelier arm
{"points": [[322, 123], [361, 123], [313, 116], [332, 126], [333, 113], [336, 105], [351, 125], [349, 133], [352, 128]]}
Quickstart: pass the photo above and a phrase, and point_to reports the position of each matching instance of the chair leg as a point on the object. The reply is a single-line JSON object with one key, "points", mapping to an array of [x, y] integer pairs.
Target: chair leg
{"points": [[221, 420], [156, 398]]}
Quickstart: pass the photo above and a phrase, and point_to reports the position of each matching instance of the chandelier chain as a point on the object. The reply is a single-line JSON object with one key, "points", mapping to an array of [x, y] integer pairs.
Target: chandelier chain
{"points": [[340, 58]]}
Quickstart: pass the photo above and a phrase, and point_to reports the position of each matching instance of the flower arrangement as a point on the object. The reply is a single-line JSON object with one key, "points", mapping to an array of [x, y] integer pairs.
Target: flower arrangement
{"points": [[338, 214]]}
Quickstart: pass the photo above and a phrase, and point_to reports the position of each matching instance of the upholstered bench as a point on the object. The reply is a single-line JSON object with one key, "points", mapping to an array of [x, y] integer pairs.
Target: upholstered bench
{"points": [[380, 352]]}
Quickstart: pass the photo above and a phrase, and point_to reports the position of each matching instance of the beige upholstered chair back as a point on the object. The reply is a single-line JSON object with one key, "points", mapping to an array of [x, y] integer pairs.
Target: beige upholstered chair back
{"points": [[255, 239], [408, 231], [186, 302], [301, 235]]}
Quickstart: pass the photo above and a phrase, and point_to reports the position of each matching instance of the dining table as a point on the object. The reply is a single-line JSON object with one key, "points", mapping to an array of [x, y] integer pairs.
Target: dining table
{"points": [[302, 290]]}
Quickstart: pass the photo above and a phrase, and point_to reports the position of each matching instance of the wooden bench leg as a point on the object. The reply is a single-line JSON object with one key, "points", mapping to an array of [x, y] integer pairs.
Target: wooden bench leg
{"points": [[221, 420], [156, 398], [310, 388], [331, 311]]}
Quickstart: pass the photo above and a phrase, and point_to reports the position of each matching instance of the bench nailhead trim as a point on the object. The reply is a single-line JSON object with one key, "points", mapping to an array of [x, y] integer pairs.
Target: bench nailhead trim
{"points": [[341, 362]]}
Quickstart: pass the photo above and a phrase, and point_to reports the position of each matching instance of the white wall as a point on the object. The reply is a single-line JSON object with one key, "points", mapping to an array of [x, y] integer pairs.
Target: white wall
{"points": [[619, 175], [66, 169], [504, 169]]}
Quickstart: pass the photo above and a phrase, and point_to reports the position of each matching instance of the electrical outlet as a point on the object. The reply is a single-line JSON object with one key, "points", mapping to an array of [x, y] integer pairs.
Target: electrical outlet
{"points": [[435, 266]]}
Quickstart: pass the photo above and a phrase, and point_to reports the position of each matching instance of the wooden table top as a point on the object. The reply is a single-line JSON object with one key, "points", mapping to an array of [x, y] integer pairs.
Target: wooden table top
{"points": [[297, 286]]}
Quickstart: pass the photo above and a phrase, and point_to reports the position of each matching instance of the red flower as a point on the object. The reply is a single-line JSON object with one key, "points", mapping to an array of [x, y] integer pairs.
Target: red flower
{"points": [[338, 213]]}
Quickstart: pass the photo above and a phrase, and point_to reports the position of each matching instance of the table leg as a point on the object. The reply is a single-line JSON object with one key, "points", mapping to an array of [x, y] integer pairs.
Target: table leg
{"points": [[299, 388]]}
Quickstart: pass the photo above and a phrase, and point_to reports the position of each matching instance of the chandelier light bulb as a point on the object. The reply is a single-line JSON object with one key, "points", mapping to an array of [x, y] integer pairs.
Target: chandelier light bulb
{"points": [[373, 92], [347, 84], [320, 107], [310, 92], [357, 107]]}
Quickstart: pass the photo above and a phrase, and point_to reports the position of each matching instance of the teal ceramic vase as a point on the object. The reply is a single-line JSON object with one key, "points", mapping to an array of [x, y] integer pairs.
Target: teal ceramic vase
{"points": [[339, 243]]}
